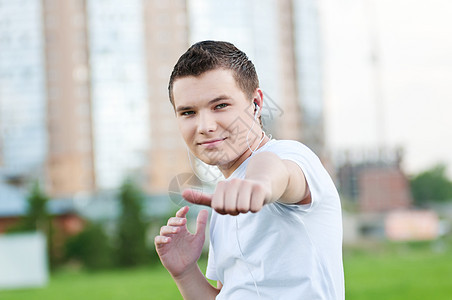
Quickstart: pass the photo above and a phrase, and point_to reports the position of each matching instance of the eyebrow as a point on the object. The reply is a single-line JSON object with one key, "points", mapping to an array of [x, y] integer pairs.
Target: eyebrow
{"points": [[216, 99]]}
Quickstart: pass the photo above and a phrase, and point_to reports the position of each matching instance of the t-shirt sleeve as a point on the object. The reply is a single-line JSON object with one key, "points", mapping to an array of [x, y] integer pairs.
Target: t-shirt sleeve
{"points": [[211, 271], [317, 177]]}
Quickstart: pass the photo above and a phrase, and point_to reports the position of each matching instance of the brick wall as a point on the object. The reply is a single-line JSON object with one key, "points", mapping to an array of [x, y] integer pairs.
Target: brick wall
{"points": [[382, 189]]}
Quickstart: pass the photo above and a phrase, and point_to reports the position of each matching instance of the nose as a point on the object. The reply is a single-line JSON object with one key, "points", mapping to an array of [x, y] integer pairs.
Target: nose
{"points": [[206, 123]]}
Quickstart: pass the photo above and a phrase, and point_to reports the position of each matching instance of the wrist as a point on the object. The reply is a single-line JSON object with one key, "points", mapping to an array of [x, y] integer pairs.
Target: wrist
{"points": [[193, 285], [264, 183], [187, 273]]}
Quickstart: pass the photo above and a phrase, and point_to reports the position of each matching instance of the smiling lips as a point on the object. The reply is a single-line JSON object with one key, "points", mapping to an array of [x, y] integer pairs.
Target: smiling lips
{"points": [[212, 143]]}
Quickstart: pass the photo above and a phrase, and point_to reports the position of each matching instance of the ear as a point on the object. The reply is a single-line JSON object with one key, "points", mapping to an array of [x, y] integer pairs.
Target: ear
{"points": [[258, 99]]}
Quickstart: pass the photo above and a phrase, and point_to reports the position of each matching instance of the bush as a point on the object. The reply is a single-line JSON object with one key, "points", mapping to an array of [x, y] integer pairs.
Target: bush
{"points": [[90, 247], [131, 233], [432, 185]]}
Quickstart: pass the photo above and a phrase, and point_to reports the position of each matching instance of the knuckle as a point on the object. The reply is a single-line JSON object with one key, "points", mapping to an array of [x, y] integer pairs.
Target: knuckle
{"points": [[229, 211], [217, 203], [255, 206], [255, 209], [230, 208], [175, 221], [242, 208], [163, 230], [235, 181], [256, 187], [217, 207], [159, 240], [228, 205], [221, 184]]}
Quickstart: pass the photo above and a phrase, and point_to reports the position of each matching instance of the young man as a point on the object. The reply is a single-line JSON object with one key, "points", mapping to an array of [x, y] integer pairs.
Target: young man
{"points": [[275, 230]]}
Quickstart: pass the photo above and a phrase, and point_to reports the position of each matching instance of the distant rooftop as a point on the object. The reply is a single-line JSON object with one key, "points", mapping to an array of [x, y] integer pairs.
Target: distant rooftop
{"points": [[12, 201], [101, 206]]}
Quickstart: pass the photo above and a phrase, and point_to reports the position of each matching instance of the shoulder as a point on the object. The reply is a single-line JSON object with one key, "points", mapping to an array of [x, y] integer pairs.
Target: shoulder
{"points": [[286, 144], [290, 149], [319, 181]]}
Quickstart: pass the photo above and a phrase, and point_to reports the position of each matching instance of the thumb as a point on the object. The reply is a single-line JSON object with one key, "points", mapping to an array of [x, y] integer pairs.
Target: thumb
{"points": [[201, 222], [197, 197]]}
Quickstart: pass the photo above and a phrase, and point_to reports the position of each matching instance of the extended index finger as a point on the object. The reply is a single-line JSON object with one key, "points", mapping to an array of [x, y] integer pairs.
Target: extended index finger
{"points": [[197, 197]]}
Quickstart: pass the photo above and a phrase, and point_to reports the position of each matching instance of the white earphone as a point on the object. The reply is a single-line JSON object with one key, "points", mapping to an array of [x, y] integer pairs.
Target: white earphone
{"points": [[256, 113], [256, 110]]}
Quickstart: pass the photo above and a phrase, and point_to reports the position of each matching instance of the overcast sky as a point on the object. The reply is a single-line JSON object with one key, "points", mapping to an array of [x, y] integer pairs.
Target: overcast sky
{"points": [[404, 100]]}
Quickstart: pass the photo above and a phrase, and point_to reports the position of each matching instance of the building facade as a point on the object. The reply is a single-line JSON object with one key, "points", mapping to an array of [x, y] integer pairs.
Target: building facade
{"points": [[23, 130], [83, 99], [70, 157]]}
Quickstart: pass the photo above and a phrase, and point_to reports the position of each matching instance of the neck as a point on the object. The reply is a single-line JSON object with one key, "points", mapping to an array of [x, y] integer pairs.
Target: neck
{"points": [[229, 168]]}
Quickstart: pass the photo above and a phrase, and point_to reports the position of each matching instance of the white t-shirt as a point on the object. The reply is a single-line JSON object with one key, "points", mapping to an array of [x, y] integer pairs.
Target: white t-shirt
{"points": [[283, 251]]}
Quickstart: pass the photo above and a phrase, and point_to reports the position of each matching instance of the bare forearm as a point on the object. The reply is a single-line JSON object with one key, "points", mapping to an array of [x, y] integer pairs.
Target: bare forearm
{"points": [[269, 169], [284, 178], [193, 285]]}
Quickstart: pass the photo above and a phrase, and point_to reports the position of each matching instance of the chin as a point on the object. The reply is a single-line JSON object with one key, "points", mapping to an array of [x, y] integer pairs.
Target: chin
{"points": [[211, 162], [214, 161]]}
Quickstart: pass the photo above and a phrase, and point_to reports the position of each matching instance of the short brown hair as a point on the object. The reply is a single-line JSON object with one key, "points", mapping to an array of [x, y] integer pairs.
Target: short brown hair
{"points": [[209, 55]]}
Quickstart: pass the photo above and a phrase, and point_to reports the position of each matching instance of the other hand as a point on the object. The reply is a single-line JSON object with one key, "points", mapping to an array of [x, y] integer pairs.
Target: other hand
{"points": [[178, 249]]}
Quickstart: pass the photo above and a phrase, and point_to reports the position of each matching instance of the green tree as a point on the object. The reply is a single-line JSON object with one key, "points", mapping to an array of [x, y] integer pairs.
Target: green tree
{"points": [[131, 235], [36, 216], [432, 185], [90, 247]]}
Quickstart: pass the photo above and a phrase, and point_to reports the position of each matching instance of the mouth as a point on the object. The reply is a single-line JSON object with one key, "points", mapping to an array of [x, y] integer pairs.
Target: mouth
{"points": [[211, 143]]}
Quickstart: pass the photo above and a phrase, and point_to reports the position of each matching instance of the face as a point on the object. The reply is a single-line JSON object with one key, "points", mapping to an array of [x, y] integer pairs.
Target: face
{"points": [[215, 117]]}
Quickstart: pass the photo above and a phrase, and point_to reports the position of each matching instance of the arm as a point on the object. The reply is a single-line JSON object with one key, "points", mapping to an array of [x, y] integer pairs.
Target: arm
{"points": [[193, 285], [268, 178], [284, 177], [179, 251]]}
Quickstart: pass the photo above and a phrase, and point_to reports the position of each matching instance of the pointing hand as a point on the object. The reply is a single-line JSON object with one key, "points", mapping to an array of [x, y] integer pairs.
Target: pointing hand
{"points": [[232, 196]]}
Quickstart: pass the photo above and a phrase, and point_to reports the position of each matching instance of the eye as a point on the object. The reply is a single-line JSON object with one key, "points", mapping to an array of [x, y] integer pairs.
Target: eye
{"points": [[222, 105], [187, 113]]}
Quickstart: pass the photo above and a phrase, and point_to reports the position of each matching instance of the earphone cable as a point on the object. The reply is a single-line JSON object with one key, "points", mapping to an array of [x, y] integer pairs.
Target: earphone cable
{"points": [[196, 174], [243, 257]]}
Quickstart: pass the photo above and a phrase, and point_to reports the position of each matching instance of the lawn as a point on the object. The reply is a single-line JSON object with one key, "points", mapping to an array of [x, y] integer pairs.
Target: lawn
{"points": [[140, 283], [399, 273]]}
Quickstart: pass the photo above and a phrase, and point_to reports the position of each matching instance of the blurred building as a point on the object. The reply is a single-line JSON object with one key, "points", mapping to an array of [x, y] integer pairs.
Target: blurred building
{"points": [[377, 200], [23, 127], [383, 188], [411, 225], [83, 99], [70, 164], [166, 38], [83, 84], [309, 75], [375, 183]]}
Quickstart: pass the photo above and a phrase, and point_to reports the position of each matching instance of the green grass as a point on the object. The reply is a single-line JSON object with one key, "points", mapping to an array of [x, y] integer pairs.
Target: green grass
{"points": [[140, 283], [403, 272], [396, 272]]}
